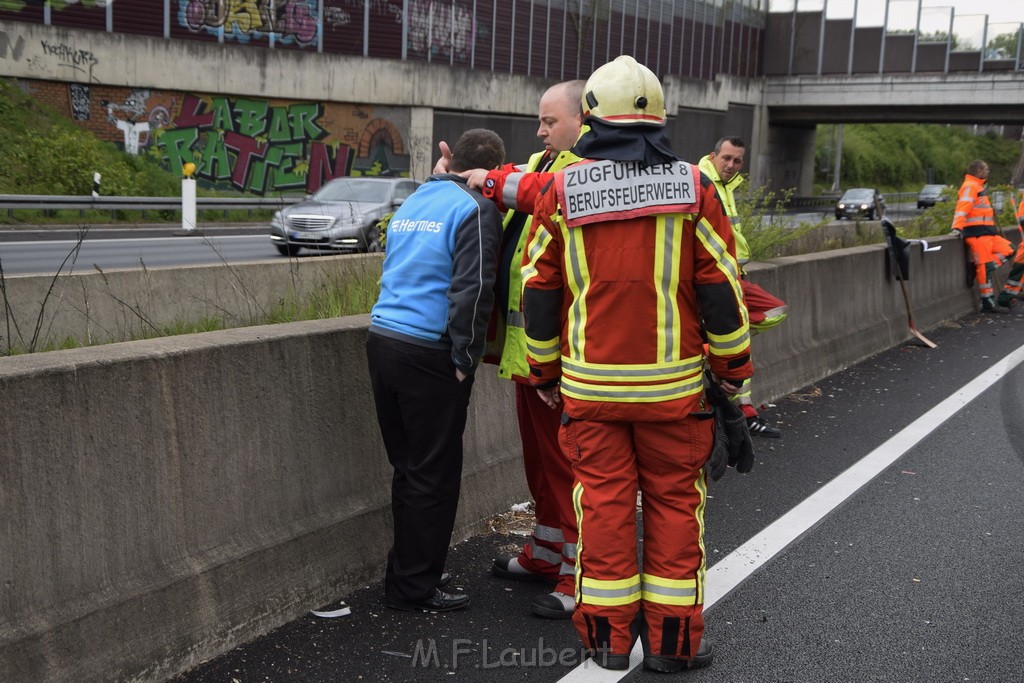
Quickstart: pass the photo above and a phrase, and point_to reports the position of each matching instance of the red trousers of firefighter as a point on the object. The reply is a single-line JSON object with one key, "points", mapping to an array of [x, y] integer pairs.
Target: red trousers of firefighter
{"points": [[988, 252], [615, 603], [551, 550]]}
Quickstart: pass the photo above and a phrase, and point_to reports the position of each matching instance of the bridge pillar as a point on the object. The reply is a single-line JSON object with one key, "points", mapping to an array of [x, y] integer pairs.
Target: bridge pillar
{"points": [[422, 152], [789, 159]]}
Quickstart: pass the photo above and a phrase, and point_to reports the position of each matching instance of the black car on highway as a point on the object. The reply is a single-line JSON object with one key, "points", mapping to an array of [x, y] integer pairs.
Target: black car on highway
{"points": [[860, 202], [930, 195], [340, 216]]}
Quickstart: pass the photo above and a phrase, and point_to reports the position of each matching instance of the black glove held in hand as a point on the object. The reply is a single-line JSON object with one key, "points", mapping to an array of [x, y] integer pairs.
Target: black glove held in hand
{"points": [[741, 446], [730, 422], [718, 461]]}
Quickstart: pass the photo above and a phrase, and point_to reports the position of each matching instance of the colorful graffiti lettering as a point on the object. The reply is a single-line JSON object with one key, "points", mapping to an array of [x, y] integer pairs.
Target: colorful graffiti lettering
{"points": [[253, 145], [287, 20]]}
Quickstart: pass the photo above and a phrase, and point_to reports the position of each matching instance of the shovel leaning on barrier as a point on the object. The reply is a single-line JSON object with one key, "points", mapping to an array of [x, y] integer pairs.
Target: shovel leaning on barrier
{"points": [[898, 249]]}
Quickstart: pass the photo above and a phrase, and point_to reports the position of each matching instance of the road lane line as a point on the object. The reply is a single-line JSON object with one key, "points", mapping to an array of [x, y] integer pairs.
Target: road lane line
{"points": [[730, 572]]}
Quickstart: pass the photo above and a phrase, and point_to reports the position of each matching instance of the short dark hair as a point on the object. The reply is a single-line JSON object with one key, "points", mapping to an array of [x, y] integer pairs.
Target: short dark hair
{"points": [[975, 166], [477, 148], [732, 140]]}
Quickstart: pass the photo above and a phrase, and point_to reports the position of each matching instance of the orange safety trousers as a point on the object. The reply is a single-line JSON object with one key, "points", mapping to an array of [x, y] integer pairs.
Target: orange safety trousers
{"points": [[615, 602], [985, 250]]}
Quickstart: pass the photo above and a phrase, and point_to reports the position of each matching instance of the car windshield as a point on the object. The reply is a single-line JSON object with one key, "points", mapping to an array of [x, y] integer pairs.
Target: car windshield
{"points": [[353, 190], [858, 195], [932, 189]]}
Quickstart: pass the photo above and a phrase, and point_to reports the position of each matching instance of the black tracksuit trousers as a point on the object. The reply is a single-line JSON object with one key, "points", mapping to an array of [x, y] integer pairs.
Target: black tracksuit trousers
{"points": [[421, 409]]}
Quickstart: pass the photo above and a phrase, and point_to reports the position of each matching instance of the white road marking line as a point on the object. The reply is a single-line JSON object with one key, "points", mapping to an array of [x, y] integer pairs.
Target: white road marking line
{"points": [[737, 566]]}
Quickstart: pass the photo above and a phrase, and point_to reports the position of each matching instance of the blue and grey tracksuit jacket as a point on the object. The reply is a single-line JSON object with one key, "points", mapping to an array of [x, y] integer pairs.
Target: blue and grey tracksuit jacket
{"points": [[437, 289]]}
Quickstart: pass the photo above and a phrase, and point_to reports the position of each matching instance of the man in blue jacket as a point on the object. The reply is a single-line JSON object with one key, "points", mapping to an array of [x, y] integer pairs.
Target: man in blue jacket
{"points": [[427, 334]]}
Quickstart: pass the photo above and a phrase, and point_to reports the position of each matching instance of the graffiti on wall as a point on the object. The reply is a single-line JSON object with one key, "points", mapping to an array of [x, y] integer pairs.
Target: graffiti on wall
{"points": [[289, 21], [261, 146], [246, 144], [131, 118], [55, 5], [440, 29], [14, 47]]}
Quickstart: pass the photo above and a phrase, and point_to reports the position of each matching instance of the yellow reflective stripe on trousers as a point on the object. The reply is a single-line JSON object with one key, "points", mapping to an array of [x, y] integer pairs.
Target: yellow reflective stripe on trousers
{"points": [[577, 506], [616, 592], [701, 484], [669, 591]]}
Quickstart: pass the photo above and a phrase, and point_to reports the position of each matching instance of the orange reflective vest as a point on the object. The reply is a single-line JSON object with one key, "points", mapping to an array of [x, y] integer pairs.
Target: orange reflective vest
{"points": [[973, 214]]}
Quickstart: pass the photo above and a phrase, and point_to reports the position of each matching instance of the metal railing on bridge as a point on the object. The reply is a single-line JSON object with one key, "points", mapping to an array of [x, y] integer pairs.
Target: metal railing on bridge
{"points": [[31, 202]]}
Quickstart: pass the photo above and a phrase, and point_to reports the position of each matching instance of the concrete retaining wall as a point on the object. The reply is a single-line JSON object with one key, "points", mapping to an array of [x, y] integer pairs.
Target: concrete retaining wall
{"points": [[121, 304], [163, 501]]}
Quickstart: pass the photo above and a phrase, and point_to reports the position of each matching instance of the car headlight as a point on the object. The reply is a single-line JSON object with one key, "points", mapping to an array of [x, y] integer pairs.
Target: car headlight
{"points": [[863, 207]]}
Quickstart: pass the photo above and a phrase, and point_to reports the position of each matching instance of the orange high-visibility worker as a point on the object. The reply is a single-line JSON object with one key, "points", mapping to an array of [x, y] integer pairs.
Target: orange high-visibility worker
{"points": [[629, 265], [974, 221]]}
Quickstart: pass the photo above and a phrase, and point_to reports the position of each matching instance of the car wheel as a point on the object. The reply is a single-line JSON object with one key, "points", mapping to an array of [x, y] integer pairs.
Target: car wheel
{"points": [[871, 215], [287, 249]]}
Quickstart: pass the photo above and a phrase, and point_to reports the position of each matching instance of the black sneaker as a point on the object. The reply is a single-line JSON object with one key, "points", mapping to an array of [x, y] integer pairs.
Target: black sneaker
{"points": [[759, 427]]}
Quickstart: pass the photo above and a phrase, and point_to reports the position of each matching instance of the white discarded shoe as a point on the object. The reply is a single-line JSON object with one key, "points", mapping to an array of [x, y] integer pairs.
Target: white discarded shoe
{"points": [[508, 567]]}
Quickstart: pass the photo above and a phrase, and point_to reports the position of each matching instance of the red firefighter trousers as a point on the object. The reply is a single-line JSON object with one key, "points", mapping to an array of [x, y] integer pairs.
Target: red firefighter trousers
{"points": [[551, 550], [616, 603]]}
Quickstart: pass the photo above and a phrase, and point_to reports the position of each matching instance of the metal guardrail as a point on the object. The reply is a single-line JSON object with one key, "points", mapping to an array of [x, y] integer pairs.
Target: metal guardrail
{"points": [[13, 202]]}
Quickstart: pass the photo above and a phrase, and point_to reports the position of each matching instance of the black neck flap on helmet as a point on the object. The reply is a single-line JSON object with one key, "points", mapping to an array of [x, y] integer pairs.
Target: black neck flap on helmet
{"points": [[648, 145]]}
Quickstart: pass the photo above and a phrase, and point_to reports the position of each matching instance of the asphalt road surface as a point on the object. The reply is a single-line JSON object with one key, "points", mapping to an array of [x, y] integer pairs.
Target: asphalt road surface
{"points": [[879, 540]]}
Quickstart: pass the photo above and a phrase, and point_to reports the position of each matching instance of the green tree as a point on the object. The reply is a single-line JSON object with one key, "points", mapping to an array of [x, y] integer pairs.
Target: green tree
{"points": [[1004, 45]]}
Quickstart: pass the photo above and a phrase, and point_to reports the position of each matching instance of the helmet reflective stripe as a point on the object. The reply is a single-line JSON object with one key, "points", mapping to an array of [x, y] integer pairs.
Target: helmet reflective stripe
{"points": [[624, 92]]}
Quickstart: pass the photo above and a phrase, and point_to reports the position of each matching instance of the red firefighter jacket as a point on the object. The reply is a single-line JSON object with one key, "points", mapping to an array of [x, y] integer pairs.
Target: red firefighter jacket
{"points": [[626, 271]]}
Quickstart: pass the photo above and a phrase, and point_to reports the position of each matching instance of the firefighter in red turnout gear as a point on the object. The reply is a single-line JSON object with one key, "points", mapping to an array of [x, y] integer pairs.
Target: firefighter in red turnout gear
{"points": [[630, 264]]}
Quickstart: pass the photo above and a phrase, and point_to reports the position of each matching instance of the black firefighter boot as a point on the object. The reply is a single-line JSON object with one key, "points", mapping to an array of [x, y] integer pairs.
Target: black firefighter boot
{"points": [[989, 305]]}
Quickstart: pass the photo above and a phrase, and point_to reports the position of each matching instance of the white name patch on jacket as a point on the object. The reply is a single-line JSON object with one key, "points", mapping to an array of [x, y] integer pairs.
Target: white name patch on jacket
{"points": [[615, 190]]}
